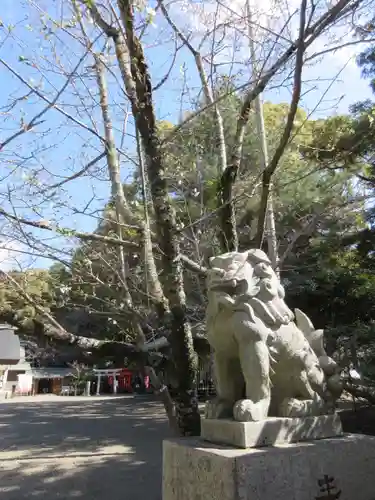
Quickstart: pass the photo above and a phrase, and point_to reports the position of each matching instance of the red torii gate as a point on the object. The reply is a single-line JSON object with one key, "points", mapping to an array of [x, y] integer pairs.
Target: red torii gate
{"points": [[124, 378]]}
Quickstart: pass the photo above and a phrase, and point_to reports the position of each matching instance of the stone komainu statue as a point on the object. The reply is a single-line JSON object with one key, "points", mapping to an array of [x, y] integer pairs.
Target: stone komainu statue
{"points": [[265, 363]]}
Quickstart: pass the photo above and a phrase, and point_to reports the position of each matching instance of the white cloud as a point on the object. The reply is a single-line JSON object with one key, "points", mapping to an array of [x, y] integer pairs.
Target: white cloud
{"points": [[220, 27], [223, 24], [203, 16], [227, 20]]}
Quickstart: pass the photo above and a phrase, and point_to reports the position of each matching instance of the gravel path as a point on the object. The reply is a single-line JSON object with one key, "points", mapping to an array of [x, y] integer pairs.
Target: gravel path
{"points": [[81, 448]]}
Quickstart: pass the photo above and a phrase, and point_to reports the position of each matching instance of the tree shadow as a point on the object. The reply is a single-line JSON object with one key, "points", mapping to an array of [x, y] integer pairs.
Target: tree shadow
{"points": [[82, 449]]}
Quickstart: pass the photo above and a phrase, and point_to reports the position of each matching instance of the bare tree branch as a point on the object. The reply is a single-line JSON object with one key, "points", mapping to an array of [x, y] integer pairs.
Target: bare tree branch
{"points": [[270, 169], [37, 118], [77, 174], [206, 89], [338, 47], [70, 233], [227, 232]]}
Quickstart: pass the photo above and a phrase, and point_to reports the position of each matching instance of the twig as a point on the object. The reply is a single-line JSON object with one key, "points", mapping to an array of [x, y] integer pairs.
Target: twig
{"points": [[270, 169], [77, 174], [206, 88], [190, 264]]}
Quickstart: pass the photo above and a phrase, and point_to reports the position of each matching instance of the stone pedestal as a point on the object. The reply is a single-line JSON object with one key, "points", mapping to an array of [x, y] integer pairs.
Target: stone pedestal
{"points": [[271, 431], [335, 468]]}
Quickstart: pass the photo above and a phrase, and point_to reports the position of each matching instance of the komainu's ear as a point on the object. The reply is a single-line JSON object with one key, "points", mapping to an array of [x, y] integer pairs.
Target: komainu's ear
{"points": [[315, 339]]}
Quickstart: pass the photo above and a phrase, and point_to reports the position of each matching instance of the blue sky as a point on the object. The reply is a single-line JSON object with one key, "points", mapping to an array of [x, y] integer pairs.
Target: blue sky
{"points": [[65, 148]]}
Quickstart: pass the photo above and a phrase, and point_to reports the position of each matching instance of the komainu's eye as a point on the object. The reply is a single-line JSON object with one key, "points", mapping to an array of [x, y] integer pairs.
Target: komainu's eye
{"points": [[261, 268]]}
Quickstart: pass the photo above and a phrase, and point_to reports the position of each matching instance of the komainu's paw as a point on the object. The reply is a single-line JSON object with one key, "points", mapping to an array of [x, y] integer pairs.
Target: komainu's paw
{"points": [[218, 408], [292, 407], [247, 411]]}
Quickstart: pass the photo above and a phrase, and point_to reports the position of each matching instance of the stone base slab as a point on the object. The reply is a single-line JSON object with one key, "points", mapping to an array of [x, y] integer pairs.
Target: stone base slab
{"points": [[271, 431], [337, 468]]}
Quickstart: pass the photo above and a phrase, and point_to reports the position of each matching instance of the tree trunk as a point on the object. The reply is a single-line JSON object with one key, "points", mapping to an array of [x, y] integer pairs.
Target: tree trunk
{"points": [[122, 207], [181, 338], [123, 213]]}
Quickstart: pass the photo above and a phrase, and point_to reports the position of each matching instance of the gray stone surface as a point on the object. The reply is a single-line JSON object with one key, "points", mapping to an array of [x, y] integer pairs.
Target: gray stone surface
{"points": [[9, 346], [270, 431], [193, 470], [81, 448]]}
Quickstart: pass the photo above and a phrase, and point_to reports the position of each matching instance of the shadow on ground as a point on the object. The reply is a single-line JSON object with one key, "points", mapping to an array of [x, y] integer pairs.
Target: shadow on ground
{"points": [[106, 449]]}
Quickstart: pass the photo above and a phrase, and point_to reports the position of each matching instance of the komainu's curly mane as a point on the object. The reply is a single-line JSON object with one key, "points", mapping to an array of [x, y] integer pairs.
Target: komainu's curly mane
{"points": [[241, 285]]}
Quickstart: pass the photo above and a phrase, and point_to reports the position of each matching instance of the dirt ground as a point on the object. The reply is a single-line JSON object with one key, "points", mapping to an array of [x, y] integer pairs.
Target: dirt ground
{"points": [[94, 448], [81, 448]]}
